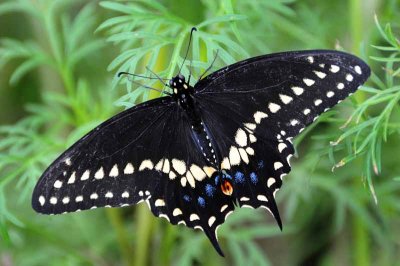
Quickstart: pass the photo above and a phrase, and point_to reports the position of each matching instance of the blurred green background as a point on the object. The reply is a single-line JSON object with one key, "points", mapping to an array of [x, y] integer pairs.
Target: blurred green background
{"points": [[59, 59]]}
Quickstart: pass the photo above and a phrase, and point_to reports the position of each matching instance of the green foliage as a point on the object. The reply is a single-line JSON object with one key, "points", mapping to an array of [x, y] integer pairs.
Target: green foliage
{"points": [[66, 48]]}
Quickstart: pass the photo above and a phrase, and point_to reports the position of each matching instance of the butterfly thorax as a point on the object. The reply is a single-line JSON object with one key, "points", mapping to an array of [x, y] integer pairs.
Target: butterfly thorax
{"points": [[183, 94]]}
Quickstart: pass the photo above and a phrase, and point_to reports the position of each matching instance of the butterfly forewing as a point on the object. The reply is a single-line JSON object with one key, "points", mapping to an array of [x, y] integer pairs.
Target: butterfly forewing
{"points": [[291, 88]]}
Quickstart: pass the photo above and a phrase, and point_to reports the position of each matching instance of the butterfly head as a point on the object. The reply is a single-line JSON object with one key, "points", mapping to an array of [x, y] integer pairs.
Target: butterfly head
{"points": [[178, 84]]}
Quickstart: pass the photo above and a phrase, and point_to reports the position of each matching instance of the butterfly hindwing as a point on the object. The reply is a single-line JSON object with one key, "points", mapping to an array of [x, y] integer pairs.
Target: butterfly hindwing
{"points": [[256, 162]]}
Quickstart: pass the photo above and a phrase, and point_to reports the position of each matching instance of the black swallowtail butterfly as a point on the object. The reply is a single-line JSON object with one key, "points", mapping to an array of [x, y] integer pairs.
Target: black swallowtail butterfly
{"points": [[195, 154]]}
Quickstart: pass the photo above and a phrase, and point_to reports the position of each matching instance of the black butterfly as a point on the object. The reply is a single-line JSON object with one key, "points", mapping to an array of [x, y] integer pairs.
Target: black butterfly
{"points": [[195, 154]]}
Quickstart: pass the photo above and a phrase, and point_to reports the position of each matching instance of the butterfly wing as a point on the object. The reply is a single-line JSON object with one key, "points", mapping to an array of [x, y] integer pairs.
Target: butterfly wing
{"points": [[264, 102], [146, 153], [292, 88]]}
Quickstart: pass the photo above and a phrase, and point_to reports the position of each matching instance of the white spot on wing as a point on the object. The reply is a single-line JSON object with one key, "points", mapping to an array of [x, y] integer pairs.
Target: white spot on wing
{"points": [[146, 164], [349, 77], [65, 200], [250, 126], [358, 70], [58, 184], [281, 147], [241, 137], [225, 164], [308, 82], [125, 194], [166, 167], [262, 198], [273, 107], [176, 212], [294, 122], [270, 181], [334, 68], [211, 220], [310, 59], [317, 102], [94, 196], [159, 165], [252, 138], [277, 165], [258, 116], [197, 172], [109, 195], [194, 217], [53, 200], [297, 90], [234, 156], [190, 179], [306, 111], [209, 170], [285, 99], [159, 203], [114, 171], [223, 208], [99, 174], [71, 179], [250, 150], [320, 74], [179, 166], [340, 86], [243, 155], [330, 94], [85, 175], [79, 199], [42, 200], [172, 175], [183, 181], [128, 169]]}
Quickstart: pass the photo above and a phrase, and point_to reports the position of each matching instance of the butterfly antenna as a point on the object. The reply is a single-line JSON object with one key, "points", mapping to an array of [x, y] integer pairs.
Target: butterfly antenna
{"points": [[157, 76], [212, 63], [190, 70], [136, 75], [187, 50], [142, 85]]}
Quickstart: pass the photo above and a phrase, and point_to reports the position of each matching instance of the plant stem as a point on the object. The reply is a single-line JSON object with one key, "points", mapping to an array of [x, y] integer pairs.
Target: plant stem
{"points": [[114, 216], [360, 237], [143, 228]]}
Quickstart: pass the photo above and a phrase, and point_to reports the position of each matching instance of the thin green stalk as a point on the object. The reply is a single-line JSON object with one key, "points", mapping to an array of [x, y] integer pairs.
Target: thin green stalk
{"points": [[115, 218], [361, 249], [361, 246], [143, 228]]}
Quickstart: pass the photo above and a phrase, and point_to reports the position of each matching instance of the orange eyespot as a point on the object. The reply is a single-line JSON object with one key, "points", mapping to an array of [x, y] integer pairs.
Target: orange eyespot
{"points": [[227, 187]]}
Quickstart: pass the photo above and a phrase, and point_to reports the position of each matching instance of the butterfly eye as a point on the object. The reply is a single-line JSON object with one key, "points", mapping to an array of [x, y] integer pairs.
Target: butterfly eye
{"points": [[181, 77], [170, 82]]}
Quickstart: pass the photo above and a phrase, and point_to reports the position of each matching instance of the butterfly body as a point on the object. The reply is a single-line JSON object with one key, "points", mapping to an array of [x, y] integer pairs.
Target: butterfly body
{"points": [[192, 156]]}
